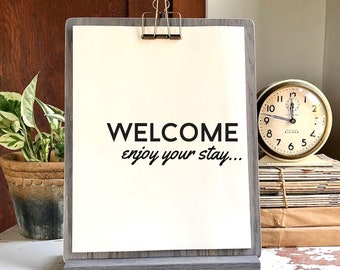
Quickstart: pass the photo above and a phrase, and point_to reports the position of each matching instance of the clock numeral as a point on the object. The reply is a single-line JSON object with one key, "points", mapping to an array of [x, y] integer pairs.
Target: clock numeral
{"points": [[279, 98], [270, 108], [292, 94], [305, 99], [291, 146], [278, 142], [266, 120], [269, 133], [313, 134], [304, 142], [314, 108]]}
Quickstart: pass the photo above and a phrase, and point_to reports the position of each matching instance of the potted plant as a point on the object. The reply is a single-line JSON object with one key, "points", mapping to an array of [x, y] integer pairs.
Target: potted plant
{"points": [[35, 174]]}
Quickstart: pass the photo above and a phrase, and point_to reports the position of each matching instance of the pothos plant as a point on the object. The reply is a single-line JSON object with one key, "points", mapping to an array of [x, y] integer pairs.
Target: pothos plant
{"points": [[18, 128]]}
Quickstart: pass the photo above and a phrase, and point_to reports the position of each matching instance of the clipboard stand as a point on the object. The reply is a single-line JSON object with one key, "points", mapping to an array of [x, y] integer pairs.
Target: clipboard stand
{"points": [[158, 15], [81, 36]]}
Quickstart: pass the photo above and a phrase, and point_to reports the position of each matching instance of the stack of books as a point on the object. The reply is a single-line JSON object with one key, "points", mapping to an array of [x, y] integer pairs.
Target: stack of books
{"points": [[300, 205], [300, 186]]}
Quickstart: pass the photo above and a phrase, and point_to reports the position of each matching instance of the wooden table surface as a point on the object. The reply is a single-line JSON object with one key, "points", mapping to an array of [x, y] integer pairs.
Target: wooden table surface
{"points": [[19, 253]]}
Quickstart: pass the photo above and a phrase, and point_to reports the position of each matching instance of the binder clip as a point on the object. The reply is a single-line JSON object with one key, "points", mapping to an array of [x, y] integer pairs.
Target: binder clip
{"points": [[157, 16]]}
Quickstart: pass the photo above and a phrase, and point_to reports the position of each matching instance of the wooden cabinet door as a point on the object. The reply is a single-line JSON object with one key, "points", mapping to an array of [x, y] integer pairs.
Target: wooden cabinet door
{"points": [[190, 8], [187, 8], [32, 38]]}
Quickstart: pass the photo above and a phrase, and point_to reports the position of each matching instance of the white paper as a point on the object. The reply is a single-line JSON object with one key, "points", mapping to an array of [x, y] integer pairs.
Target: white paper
{"points": [[182, 204]]}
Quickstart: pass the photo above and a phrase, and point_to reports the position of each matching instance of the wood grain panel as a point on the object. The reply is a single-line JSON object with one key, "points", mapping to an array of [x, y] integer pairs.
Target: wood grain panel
{"points": [[32, 39], [137, 7], [187, 8], [190, 8], [7, 217]]}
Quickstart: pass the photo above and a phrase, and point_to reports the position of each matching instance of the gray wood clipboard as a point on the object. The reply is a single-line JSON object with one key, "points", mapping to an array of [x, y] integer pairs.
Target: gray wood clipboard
{"points": [[165, 259]]}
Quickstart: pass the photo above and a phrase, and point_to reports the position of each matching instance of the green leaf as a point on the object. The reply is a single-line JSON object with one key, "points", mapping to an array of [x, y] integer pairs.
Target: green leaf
{"points": [[56, 110], [42, 146], [12, 141], [15, 126], [9, 120], [59, 151], [28, 155], [58, 117], [5, 123], [54, 115], [10, 116], [27, 102], [10, 102], [11, 96]]}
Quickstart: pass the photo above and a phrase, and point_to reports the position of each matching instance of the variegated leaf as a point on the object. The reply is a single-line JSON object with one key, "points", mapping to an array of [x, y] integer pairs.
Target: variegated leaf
{"points": [[12, 141], [27, 102]]}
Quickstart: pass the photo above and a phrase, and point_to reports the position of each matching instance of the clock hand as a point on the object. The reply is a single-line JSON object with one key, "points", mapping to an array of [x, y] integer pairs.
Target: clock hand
{"points": [[278, 117], [291, 109]]}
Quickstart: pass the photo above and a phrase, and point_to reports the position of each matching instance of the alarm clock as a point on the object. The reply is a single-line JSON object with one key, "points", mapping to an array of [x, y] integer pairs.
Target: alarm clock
{"points": [[294, 120]]}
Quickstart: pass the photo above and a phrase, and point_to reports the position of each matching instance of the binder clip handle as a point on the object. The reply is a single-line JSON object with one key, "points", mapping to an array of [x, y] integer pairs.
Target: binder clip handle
{"points": [[157, 16], [166, 5]]}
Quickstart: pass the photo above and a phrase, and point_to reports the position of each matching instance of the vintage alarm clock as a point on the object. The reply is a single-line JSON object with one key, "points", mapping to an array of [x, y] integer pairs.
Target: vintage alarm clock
{"points": [[294, 120]]}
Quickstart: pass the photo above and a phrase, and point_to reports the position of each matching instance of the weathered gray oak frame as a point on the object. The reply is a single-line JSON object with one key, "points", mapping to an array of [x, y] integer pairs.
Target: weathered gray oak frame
{"points": [[167, 259]]}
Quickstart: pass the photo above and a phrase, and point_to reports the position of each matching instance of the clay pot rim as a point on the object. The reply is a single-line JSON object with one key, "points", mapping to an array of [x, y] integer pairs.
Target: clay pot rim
{"points": [[16, 159]]}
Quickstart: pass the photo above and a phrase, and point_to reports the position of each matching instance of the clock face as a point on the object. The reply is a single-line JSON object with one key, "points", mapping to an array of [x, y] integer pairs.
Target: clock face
{"points": [[294, 120]]}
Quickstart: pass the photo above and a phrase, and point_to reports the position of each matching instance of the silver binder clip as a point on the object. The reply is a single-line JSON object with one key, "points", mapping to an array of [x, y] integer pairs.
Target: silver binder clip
{"points": [[158, 15]]}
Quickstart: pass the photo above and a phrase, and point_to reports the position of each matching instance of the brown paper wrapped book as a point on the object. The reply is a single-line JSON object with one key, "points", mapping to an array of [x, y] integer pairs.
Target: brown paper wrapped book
{"points": [[307, 226], [301, 236], [300, 217]]}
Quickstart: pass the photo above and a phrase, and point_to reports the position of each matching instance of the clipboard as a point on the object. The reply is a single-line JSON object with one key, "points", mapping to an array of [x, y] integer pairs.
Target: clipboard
{"points": [[127, 98]]}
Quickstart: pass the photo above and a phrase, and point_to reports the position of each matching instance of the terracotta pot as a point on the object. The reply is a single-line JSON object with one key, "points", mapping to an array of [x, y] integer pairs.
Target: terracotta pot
{"points": [[37, 191]]}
